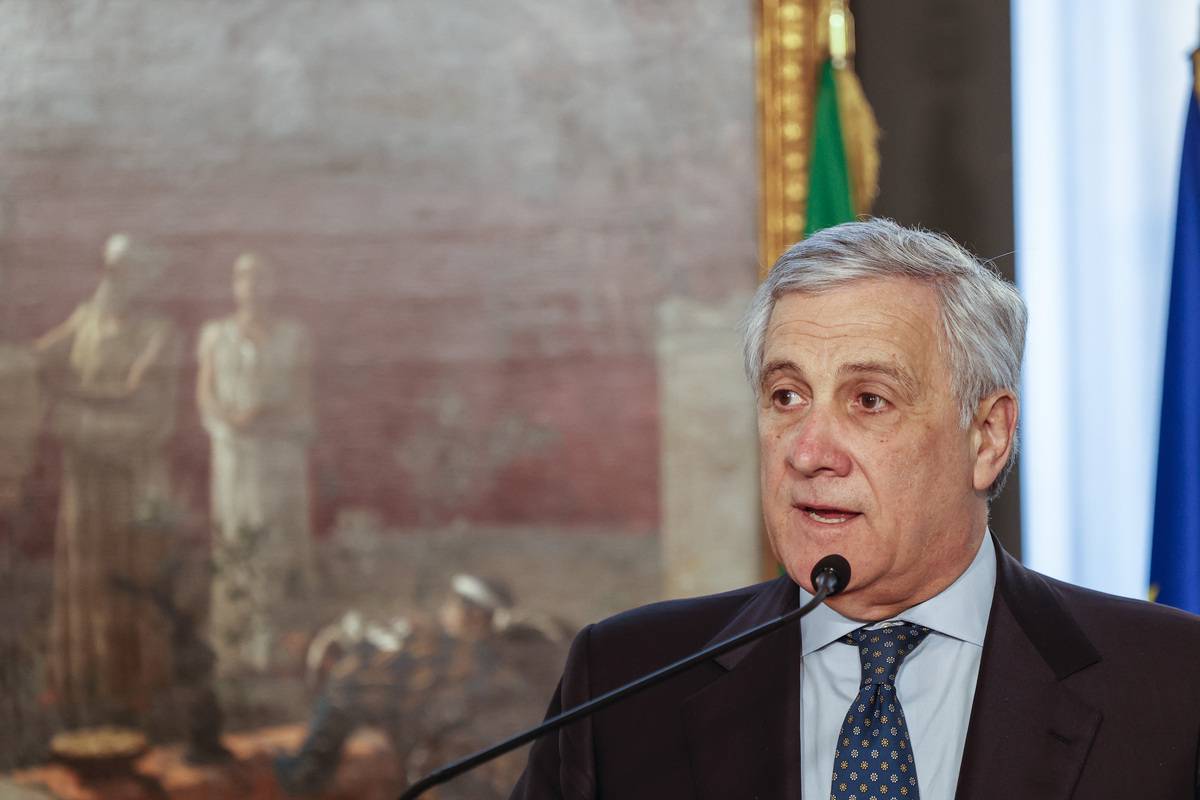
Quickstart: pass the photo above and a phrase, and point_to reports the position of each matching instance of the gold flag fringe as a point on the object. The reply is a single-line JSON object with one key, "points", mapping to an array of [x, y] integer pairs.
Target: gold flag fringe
{"points": [[860, 136]]}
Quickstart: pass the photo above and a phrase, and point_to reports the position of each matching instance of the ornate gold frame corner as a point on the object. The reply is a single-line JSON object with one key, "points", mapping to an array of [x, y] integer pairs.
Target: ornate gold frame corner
{"points": [[791, 39]]}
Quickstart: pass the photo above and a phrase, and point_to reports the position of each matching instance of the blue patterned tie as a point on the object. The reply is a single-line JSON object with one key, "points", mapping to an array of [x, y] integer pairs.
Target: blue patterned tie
{"points": [[874, 759]]}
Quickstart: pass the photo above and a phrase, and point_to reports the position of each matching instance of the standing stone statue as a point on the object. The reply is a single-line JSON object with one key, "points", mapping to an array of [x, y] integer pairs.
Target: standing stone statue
{"points": [[254, 393], [111, 372]]}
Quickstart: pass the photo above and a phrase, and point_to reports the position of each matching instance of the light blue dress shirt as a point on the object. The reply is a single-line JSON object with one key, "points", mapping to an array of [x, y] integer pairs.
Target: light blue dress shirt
{"points": [[935, 685]]}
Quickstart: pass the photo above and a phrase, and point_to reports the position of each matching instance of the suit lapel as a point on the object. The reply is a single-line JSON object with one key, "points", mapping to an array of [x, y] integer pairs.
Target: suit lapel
{"points": [[1029, 735], [743, 729]]}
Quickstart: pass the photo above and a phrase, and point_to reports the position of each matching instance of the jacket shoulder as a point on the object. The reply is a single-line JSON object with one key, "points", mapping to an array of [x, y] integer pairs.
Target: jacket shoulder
{"points": [[650, 636], [1090, 601], [1127, 626]]}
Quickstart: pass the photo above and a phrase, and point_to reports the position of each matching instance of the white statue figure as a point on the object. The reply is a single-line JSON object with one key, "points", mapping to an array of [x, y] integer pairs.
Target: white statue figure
{"points": [[111, 371], [254, 393]]}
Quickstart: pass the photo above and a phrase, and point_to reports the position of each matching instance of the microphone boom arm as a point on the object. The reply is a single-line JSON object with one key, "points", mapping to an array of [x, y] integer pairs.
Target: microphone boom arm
{"points": [[825, 581]]}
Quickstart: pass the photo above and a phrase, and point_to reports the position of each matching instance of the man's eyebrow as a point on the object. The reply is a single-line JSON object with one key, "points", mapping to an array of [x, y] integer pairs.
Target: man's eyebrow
{"points": [[906, 382], [900, 376], [778, 365]]}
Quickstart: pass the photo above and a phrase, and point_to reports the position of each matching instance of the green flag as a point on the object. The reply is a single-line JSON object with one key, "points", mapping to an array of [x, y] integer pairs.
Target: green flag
{"points": [[829, 199]]}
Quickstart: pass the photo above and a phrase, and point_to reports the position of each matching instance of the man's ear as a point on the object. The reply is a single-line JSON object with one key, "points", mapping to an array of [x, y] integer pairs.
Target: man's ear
{"points": [[993, 436]]}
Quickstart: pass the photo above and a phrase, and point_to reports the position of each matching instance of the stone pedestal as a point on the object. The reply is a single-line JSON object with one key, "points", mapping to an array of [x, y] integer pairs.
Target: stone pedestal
{"points": [[709, 464]]}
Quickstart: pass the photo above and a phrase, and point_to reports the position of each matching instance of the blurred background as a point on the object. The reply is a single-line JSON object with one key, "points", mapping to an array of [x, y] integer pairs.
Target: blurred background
{"points": [[354, 354]]}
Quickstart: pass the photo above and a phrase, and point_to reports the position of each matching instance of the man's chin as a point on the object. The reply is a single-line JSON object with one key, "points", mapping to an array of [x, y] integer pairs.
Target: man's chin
{"points": [[853, 605]]}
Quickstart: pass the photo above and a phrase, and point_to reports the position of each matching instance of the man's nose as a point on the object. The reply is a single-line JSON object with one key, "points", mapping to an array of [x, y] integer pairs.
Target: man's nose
{"points": [[818, 449]]}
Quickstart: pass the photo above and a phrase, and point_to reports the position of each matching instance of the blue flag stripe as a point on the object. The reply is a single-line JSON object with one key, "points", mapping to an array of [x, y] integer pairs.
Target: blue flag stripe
{"points": [[1175, 552]]}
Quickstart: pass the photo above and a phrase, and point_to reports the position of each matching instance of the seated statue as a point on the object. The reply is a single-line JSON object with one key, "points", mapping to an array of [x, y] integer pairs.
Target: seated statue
{"points": [[440, 691]]}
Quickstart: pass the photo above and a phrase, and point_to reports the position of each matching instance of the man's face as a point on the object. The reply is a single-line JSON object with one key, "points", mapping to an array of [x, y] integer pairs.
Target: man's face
{"points": [[861, 449]]}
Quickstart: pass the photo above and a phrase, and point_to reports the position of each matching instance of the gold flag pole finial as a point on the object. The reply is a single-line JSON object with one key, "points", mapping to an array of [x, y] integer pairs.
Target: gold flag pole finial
{"points": [[859, 128], [841, 36], [1196, 72]]}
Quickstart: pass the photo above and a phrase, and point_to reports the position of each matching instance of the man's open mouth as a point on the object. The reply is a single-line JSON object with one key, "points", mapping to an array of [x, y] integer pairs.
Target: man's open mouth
{"points": [[827, 515]]}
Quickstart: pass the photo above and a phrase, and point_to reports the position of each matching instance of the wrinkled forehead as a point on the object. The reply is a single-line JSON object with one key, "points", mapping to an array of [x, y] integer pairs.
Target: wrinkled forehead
{"points": [[905, 305], [891, 319]]}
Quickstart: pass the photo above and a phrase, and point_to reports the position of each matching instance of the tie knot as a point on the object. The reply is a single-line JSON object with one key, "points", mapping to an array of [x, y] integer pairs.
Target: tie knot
{"points": [[882, 650]]}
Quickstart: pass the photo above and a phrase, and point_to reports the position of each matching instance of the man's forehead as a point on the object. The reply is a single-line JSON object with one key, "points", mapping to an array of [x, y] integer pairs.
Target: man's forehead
{"points": [[880, 320], [880, 304]]}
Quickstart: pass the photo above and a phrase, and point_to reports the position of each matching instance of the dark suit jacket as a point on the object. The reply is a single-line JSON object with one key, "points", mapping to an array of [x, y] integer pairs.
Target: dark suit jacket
{"points": [[1080, 695]]}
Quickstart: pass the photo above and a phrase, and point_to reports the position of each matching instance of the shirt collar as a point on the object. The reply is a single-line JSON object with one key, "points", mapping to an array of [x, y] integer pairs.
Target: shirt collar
{"points": [[960, 611]]}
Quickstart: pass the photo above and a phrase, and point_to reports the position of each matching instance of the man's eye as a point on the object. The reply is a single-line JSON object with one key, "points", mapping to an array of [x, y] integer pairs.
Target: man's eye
{"points": [[872, 402], [785, 397]]}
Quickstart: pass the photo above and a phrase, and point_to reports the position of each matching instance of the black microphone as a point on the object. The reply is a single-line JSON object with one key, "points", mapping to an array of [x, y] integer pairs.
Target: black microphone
{"points": [[831, 573], [830, 576]]}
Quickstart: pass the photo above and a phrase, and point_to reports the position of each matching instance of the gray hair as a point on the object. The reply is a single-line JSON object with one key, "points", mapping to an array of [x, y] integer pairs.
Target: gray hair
{"points": [[983, 317]]}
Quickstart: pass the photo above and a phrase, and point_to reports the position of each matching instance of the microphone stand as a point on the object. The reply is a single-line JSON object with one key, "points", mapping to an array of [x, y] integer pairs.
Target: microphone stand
{"points": [[826, 584]]}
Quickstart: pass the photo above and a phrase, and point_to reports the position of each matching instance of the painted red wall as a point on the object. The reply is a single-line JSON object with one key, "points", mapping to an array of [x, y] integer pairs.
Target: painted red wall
{"points": [[475, 211]]}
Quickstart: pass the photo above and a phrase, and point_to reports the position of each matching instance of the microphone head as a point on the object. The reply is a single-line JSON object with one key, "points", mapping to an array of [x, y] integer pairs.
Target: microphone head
{"points": [[831, 573]]}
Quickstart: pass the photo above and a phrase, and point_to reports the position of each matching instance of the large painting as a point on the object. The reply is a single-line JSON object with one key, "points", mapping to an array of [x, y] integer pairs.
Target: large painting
{"points": [[331, 343]]}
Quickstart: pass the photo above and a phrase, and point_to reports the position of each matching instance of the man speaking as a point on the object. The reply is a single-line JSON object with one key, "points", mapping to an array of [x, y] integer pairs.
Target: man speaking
{"points": [[886, 364]]}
